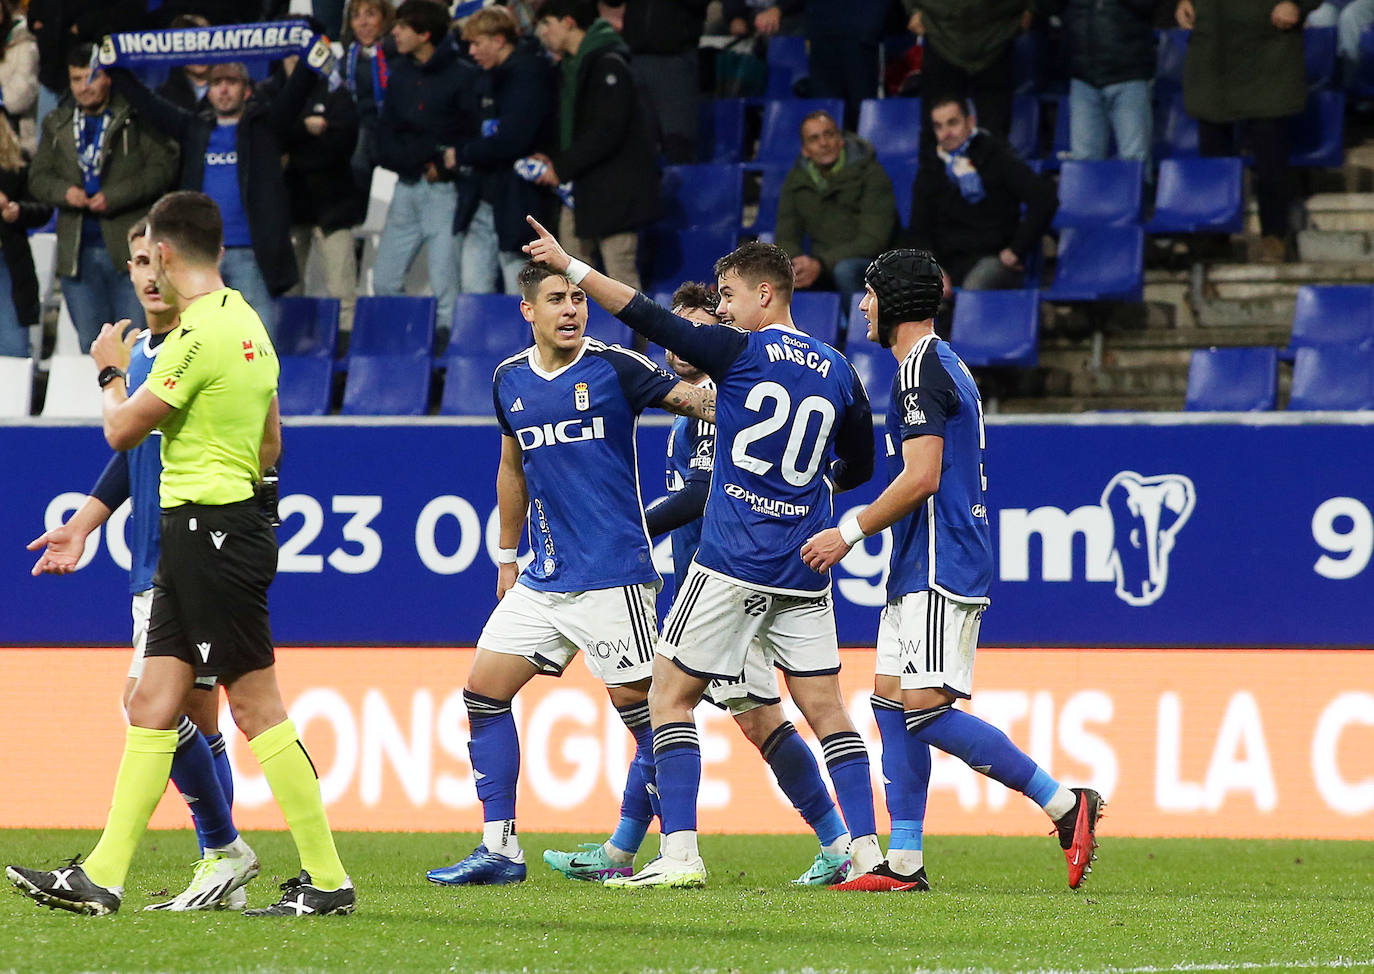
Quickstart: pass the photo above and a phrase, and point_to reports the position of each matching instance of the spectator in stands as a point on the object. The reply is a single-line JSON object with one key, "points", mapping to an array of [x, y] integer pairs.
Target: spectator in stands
{"points": [[19, 75], [843, 41], [1245, 66], [19, 212], [186, 86], [1350, 21], [429, 107], [762, 17], [516, 99], [365, 74], [319, 183], [837, 196], [102, 165], [232, 152], [663, 36], [968, 55], [604, 146], [967, 203], [60, 25], [1112, 67]]}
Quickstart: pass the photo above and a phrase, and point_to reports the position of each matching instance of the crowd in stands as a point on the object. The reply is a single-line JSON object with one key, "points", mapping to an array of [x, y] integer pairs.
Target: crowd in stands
{"points": [[592, 116]]}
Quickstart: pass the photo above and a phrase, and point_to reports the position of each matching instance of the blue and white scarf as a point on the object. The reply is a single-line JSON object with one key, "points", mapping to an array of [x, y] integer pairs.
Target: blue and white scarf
{"points": [[90, 153], [211, 45], [960, 170]]}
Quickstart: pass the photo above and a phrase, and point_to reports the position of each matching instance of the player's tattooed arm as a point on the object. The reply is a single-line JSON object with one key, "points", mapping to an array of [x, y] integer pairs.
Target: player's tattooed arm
{"points": [[686, 399]]}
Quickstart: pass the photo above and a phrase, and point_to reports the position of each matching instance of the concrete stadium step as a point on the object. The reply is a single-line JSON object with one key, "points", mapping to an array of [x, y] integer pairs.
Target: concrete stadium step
{"points": [[1328, 211], [1144, 380], [1271, 312], [1247, 281], [1335, 245]]}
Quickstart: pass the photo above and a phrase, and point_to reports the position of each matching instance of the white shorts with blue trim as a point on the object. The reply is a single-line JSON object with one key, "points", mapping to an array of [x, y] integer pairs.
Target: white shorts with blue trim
{"points": [[929, 640]]}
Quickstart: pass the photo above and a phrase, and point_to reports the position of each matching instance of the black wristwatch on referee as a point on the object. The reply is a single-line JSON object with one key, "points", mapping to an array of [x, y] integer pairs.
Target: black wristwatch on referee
{"points": [[109, 373]]}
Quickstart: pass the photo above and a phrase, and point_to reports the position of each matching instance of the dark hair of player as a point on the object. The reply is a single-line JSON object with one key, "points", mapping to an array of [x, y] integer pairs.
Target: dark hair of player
{"points": [[531, 276], [694, 296], [757, 262], [424, 17], [190, 222], [583, 12], [137, 230]]}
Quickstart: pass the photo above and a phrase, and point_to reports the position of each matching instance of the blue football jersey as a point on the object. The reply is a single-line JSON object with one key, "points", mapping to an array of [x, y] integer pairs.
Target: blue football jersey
{"points": [[145, 474], [691, 457], [576, 431], [946, 544]]}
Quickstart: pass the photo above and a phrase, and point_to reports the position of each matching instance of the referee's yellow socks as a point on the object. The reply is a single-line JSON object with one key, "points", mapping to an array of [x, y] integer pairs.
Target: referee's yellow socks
{"points": [[142, 779], [294, 784]]}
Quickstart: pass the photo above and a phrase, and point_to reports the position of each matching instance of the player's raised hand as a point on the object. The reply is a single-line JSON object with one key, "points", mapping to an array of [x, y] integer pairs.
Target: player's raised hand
{"points": [[113, 346], [546, 248], [62, 549], [824, 550]]}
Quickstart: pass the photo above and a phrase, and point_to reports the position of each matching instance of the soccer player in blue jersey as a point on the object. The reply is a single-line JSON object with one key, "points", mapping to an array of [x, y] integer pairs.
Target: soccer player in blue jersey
{"points": [[786, 402], [937, 589], [568, 407], [200, 766], [752, 698]]}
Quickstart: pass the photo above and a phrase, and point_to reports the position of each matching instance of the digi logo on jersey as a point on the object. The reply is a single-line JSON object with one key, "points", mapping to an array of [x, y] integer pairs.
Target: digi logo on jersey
{"points": [[1128, 536], [569, 431], [766, 505]]}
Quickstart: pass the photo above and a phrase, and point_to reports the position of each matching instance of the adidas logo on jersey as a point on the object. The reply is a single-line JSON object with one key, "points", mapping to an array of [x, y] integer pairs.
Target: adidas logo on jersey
{"points": [[518, 406]]}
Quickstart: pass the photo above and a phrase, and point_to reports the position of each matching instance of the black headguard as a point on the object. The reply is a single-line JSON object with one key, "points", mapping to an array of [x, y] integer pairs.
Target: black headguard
{"points": [[909, 285]]}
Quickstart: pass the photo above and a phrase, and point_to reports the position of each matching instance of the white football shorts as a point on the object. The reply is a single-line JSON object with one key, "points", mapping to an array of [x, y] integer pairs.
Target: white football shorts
{"points": [[714, 620], [754, 688], [929, 640], [613, 628]]}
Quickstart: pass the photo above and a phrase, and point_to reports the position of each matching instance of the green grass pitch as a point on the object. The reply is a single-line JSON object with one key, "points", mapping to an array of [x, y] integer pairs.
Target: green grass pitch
{"points": [[999, 904]]}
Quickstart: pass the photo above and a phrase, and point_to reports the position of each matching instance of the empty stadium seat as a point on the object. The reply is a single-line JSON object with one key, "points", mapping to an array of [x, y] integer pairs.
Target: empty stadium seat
{"points": [[1171, 53], [1233, 379], [892, 125], [1099, 264], [787, 64], [72, 390], [720, 129], [487, 323], [1025, 126], [1175, 130], [902, 172], [16, 386], [1317, 136], [305, 384], [1098, 193], [997, 327], [780, 140], [393, 326], [682, 255], [705, 195], [387, 385], [855, 324], [1333, 377], [307, 326], [1199, 196], [1333, 314], [770, 189], [818, 314], [876, 366], [467, 385], [1319, 54]]}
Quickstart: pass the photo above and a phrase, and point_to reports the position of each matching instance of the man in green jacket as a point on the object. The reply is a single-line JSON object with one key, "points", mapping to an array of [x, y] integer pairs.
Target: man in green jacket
{"points": [[838, 196]]}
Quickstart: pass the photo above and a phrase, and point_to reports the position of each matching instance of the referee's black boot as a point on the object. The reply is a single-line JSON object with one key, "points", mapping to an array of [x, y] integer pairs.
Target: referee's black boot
{"points": [[301, 898], [68, 888]]}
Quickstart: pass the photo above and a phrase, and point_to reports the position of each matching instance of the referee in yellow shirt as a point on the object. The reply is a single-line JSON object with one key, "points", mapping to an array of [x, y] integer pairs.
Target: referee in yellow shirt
{"points": [[213, 393]]}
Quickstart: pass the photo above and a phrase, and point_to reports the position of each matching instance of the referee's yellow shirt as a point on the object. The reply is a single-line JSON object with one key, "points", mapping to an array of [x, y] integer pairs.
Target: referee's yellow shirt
{"points": [[218, 370]]}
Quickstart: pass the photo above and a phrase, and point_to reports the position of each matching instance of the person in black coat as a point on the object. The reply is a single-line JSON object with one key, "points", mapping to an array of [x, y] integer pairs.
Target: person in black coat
{"points": [[604, 146], [187, 84], [516, 101], [18, 214], [663, 37], [319, 180], [232, 153]]}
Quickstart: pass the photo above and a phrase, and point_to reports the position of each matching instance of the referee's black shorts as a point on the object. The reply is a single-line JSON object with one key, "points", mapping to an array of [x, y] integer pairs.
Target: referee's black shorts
{"points": [[210, 590]]}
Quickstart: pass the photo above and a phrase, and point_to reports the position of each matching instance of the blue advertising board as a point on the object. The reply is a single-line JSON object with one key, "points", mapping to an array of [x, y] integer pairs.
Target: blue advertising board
{"points": [[1116, 531]]}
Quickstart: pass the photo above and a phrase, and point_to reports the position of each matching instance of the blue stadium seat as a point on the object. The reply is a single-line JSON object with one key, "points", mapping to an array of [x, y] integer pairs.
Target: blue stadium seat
{"points": [[902, 172], [1333, 314], [787, 64], [818, 314], [1233, 379], [1363, 82], [307, 326], [387, 385], [892, 125], [1025, 126], [997, 327], [780, 140], [304, 385], [1099, 264], [720, 132], [855, 325], [1317, 136], [487, 323], [1333, 377], [876, 367], [682, 255], [467, 385], [393, 326], [1028, 58], [1319, 53], [770, 189], [1175, 130], [1199, 196], [606, 327], [1099, 193], [705, 195], [1171, 53]]}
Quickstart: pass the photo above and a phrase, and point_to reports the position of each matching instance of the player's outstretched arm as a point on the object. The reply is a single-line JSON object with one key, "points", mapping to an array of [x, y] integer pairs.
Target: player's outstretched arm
{"points": [[675, 510], [63, 546], [605, 291], [512, 503], [685, 399], [919, 479]]}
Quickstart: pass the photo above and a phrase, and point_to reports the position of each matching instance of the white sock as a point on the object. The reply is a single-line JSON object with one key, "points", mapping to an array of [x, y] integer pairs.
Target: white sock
{"points": [[617, 855], [499, 837], [905, 862], [864, 854], [680, 845], [839, 847], [1061, 804]]}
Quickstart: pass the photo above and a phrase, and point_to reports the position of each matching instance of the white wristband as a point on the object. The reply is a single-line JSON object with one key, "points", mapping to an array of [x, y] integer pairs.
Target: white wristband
{"points": [[850, 530], [505, 556], [577, 269]]}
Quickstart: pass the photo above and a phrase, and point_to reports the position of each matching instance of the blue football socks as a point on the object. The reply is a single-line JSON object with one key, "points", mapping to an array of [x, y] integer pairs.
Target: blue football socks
{"points": [[906, 775], [494, 749], [677, 766], [846, 758], [799, 777], [637, 804], [193, 772], [982, 747]]}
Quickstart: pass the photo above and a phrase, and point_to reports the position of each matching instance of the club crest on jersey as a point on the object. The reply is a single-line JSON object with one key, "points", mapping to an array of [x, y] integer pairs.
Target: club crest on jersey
{"points": [[582, 399]]}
